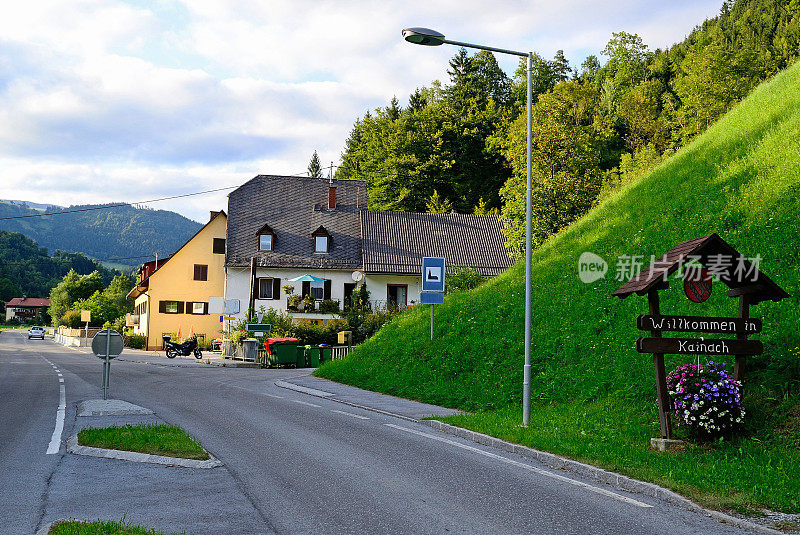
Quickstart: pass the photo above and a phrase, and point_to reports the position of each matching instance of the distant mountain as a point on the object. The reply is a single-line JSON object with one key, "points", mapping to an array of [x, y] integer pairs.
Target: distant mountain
{"points": [[35, 205], [107, 234]]}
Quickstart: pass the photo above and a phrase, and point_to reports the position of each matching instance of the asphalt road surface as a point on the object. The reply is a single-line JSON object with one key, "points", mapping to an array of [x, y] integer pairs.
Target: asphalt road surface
{"points": [[292, 463]]}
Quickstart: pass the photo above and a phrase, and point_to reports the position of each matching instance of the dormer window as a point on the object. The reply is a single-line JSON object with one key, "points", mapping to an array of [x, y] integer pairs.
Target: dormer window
{"points": [[266, 238], [322, 240]]}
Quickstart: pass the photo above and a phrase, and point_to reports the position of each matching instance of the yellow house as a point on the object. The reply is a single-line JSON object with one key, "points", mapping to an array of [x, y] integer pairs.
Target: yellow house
{"points": [[172, 295]]}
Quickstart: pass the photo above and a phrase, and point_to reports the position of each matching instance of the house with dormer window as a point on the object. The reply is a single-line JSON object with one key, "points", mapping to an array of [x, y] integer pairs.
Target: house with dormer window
{"points": [[317, 239]]}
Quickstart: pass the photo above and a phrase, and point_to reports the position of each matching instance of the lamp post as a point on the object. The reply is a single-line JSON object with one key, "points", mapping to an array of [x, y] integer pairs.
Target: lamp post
{"points": [[428, 37]]}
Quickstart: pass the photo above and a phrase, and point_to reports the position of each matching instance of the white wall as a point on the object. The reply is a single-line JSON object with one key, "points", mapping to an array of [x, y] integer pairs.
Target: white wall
{"points": [[237, 285]]}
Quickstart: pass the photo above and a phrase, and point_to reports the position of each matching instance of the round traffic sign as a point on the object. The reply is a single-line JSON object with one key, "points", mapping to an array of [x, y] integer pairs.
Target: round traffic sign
{"points": [[101, 341], [698, 286]]}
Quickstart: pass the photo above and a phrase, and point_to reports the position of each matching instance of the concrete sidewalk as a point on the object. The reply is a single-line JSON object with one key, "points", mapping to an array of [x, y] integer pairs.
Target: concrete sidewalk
{"points": [[403, 408]]}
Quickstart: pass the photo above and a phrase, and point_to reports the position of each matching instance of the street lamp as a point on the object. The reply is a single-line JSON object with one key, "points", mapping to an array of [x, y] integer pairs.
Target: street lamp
{"points": [[428, 37]]}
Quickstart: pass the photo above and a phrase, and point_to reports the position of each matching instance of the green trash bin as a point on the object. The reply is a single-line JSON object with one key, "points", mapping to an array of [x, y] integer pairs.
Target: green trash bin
{"points": [[283, 353], [300, 358], [312, 356], [326, 354]]}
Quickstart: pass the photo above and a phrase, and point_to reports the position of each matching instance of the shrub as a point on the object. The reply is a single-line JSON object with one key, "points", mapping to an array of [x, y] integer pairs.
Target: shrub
{"points": [[136, 341], [280, 321], [463, 278], [72, 319], [310, 334], [328, 306], [706, 399]]}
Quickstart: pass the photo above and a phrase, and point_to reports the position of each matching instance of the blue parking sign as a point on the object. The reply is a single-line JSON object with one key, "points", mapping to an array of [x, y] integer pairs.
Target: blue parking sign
{"points": [[433, 274]]}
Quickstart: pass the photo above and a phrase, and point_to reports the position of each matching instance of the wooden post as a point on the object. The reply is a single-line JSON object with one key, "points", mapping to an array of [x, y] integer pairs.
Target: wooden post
{"points": [[744, 313], [661, 374]]}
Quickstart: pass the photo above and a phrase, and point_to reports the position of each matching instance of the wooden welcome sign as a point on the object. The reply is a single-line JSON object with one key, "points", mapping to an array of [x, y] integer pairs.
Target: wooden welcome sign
{"points": [[743, 279]]}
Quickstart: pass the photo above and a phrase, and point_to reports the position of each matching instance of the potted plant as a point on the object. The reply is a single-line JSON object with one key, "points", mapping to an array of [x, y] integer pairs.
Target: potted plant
{"points": [[288, 289], [308, 304], [293, 301]]}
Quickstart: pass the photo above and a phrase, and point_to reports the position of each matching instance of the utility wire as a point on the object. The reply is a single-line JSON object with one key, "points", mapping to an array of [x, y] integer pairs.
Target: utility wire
{"points": [[117, 205]]}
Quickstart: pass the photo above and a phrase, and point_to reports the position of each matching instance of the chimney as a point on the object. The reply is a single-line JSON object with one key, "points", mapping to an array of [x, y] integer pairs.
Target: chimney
{"points": [[331, 197], [213, 215]]}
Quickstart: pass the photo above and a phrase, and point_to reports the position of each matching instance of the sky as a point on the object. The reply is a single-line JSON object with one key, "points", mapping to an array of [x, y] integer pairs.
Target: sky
{"points": [[107, 101]]}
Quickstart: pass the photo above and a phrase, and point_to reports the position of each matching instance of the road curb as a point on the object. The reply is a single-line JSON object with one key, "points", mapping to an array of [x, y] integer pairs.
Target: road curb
{"points": [[597, 474], [75, 448], [44, 530]]}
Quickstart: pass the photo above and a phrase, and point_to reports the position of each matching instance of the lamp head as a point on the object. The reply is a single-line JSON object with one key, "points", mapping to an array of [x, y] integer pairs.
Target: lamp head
{"points": [[423, 36]]}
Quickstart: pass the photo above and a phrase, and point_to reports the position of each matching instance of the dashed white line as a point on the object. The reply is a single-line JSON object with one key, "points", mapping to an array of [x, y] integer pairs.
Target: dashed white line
{"points": [[304, 403], [273, 396], [546, 473], [350, 414]]}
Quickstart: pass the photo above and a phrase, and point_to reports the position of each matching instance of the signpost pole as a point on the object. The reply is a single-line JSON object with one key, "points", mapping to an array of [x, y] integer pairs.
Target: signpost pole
{"points": [[738, 364], [107, 364], [432, 321], [661, 373]]}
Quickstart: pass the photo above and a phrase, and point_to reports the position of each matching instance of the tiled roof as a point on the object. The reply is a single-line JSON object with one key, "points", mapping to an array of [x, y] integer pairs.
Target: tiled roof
{"points": [[29, 302], [704, 249], [294, 207], [395, 242]]}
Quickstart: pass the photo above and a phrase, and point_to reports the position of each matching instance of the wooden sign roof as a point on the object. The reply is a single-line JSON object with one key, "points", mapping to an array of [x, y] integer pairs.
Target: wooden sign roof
{"points": [[739, 274]]}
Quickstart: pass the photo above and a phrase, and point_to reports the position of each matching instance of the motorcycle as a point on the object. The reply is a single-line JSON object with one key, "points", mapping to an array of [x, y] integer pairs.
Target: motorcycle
{"points": [[185, 349]]}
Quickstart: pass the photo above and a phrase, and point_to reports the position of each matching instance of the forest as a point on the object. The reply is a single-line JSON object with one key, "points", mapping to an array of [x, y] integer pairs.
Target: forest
{"points": [[27, 269], [460, 146]]}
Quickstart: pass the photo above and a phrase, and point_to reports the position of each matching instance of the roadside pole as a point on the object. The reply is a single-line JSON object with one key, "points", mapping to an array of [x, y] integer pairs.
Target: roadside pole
{"points": [[432, 307], [433, 270], [107, 344]]}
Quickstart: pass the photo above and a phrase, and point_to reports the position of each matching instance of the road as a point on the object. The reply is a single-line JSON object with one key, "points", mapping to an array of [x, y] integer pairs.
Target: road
{"points": [[292, 463]]}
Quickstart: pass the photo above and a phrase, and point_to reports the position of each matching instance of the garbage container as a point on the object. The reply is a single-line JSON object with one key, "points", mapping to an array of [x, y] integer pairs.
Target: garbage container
{"points": [[312, 356], [301, 357], [249, 349], [326, 353], [281, 351]]}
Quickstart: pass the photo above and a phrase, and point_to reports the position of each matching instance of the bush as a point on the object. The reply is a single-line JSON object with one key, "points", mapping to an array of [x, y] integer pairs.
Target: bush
{"points": [[72, 319], [706, 399], [136, 341], [463, 278], [372, 322], [328, 306], [310, 334]]}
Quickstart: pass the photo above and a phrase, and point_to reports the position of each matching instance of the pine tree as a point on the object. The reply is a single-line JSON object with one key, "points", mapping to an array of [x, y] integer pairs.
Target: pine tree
{"points": [[314, 167], [438, 205]]}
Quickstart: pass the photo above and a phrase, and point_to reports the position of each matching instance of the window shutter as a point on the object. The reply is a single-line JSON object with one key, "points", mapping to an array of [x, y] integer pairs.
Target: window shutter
{"points": [[162, 307], [189, 307], [276, 288], [180, 307], [205, 308], [306, 289], [326, 293]]}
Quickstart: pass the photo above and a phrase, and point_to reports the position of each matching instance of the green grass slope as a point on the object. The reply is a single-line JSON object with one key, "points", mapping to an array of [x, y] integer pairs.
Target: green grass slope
{"points": [[740, 179]]}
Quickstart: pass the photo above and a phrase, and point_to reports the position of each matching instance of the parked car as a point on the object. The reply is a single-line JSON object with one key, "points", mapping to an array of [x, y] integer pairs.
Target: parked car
{"points": [[36, 332]]}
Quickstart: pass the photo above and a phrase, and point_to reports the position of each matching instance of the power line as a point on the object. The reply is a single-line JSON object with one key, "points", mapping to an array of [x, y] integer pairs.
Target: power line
{"points": [[117, 205]]}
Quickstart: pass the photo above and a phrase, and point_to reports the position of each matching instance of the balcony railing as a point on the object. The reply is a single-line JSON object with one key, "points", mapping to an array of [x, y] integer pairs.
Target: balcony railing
{"points": [[318, 306]]}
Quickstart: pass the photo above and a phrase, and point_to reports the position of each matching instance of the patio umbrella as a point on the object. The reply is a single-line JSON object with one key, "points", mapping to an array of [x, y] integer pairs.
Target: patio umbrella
{"points": [[306, 278]]}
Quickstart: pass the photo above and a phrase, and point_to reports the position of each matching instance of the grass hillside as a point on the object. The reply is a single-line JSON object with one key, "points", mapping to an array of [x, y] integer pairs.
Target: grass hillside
{"points": [[593, 393]]}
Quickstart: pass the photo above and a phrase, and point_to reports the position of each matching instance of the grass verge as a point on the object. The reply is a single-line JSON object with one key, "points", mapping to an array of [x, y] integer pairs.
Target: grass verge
{"points": [[160, 439], [75, 527], [743, 474]]}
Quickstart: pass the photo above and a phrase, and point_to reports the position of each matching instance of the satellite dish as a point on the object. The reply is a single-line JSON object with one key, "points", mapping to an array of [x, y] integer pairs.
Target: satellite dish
{"points": [[357, 276]]}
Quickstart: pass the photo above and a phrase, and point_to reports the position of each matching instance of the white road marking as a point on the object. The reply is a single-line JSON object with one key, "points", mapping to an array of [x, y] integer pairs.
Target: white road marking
{"points": [[351, 414], [55, 440], [303, 403], [273, 396], [546, 473]]}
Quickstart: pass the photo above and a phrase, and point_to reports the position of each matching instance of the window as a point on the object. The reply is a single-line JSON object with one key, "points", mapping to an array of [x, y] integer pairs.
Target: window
{"points": [[170, 307], [195, 307], [269, 288], [320, 244], [265, 242], [200, 272], [317, 289], [219, 246]]}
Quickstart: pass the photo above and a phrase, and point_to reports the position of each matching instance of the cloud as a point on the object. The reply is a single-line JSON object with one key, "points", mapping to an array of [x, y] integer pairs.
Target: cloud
{"points": [[101, 100]]}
